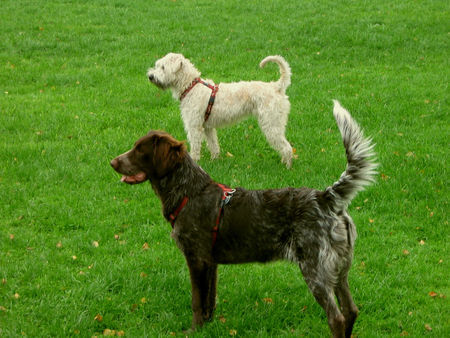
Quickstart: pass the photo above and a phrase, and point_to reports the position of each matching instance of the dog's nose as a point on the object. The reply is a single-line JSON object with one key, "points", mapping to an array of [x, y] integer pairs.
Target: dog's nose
{"points": [[151, 77], [114, 163]]}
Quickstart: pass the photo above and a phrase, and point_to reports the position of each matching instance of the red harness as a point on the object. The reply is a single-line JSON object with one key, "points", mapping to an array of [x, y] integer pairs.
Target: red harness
{"points": [[214, 90], [226, 196]]}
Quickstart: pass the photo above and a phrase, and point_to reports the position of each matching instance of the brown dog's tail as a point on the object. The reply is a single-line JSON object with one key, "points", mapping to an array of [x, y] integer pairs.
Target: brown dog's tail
{"points": [[361, 165], [285, 71]]}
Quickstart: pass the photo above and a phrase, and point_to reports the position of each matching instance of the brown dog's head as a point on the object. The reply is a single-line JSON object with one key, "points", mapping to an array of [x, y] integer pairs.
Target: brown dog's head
{"points": [[153, 156]]}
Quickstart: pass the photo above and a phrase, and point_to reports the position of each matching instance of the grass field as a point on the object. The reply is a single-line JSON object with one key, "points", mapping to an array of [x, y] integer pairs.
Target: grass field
{"points": [[81, 254]]}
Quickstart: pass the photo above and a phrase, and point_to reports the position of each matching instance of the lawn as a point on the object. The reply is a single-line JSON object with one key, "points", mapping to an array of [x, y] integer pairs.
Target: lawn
{"points": [[82, 254]]}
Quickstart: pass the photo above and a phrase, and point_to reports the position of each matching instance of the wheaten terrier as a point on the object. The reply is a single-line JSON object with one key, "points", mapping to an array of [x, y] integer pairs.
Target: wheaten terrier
{"points": [[206, 106]]}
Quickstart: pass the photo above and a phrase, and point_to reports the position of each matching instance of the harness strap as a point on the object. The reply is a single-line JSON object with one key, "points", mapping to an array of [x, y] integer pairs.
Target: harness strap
{"points": [[173, 216], [226, 196], [212, 98]]}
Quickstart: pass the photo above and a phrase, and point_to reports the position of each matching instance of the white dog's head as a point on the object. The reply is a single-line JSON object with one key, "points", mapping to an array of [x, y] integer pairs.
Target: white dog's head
{"points": [[172, 71]]}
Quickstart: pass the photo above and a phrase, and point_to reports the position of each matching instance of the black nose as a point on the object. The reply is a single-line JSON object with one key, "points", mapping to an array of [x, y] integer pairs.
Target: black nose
{"points": [[114, 163], [151, 77]]}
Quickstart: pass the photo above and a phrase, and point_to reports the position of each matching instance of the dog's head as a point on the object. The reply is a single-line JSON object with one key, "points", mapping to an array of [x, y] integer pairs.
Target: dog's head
{"points": [[153, 156], [172, 71]]}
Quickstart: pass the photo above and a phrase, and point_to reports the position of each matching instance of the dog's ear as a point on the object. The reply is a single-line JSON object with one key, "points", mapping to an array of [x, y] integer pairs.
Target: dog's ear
{"points": [[168, 154]]}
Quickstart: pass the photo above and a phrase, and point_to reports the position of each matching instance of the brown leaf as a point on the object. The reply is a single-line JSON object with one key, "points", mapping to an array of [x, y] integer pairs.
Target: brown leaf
{"points": [[432, 294], [143, 274], [422, 242], [95, 244], [222, 319], [11, 236], [404, 333], [405, 252], [428, 327], [268, 300], [98, 317], [59, 245], [145, 246], [233, 332]]}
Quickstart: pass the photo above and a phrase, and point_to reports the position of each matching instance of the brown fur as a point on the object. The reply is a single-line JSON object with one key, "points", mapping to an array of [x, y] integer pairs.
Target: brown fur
{"points": [[309, 227]]}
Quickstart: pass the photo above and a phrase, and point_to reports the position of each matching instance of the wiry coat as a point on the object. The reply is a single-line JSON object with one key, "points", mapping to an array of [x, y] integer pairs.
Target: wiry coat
{"points": [[307, 226], [267, 101]]}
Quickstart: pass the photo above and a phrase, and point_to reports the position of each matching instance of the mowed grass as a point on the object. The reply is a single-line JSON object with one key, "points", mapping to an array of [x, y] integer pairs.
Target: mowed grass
{"points": [[81, 254]]}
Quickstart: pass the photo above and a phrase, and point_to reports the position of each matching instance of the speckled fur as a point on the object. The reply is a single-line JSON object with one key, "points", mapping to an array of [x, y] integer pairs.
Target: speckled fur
{"points": [[306, 226]]}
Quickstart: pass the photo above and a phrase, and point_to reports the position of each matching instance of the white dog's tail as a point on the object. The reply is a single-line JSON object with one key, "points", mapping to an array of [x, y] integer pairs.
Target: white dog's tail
{"points": [[361, 166], [285, 70]]}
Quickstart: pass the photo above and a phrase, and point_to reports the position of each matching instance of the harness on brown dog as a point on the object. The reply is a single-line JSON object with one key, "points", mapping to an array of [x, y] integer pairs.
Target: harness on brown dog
{"points": [[214, 90], [226, 197]]}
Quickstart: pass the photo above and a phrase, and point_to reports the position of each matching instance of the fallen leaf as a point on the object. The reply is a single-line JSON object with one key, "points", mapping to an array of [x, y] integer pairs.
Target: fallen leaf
{"points": [[16, 296], [410, 154], [145, 246], [11, 236], [404, 333], [74, 257], [143, 300], [422, 242], [405, 252], [229, 154], [143, 274], [432, 294], [108, 332], [59, 245], [384, 177], [2, 308], [268, 300], [98, 317], [233, 332], [116, 237], [95, 244], [371, 220], [121, 333], [4, 280], [428, 327], [222, 319]]}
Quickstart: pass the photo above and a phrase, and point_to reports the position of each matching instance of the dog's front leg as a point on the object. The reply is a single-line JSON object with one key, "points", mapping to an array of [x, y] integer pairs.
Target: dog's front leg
{"points": [[213, 143], [202, 275], [195, 137]]}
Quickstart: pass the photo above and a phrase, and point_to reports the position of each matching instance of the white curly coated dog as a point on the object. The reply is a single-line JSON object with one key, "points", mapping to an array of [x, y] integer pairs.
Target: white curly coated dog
{"points": [[206, 106]]}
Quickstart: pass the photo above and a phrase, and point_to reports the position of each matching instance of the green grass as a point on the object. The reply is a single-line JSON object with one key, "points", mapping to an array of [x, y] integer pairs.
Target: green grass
{"points": [[73, 94]]}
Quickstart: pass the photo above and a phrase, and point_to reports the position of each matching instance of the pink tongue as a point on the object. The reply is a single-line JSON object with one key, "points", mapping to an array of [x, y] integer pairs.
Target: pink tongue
{"points": [[138, 178]]}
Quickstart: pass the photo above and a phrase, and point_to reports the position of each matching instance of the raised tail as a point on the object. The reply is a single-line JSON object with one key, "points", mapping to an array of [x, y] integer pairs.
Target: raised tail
{"points": [[285, 71], [361, 166]]}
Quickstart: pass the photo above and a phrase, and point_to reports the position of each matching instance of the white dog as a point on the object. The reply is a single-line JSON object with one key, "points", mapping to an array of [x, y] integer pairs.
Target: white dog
{"points": [[205, 106]]}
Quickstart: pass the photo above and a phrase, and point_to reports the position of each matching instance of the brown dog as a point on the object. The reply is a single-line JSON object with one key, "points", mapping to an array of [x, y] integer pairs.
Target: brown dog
{"points": [[215, 225]]}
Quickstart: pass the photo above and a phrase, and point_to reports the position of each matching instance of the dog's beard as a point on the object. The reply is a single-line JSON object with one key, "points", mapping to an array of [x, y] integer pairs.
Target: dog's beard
{"points": [[158, 84]]}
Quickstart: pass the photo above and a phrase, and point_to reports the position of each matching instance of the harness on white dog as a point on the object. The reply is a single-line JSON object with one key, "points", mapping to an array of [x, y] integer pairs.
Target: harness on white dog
{"points": [[214, 90]]}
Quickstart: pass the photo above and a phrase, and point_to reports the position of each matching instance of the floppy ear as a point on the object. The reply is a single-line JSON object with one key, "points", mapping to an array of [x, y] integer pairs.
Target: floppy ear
{"points": [[168, 154]]}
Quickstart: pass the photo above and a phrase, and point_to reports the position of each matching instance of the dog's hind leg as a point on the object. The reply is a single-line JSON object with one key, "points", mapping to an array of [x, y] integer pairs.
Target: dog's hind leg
{"points": [[324, 295], [348, 307], [212, 142]]}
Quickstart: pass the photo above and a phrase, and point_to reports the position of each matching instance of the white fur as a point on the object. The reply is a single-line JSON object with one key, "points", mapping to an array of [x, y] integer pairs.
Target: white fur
{"points": [[267, 101]]}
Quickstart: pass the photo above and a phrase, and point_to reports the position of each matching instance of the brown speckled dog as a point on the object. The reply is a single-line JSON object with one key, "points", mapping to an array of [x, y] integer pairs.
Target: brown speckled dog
{"points": [[309, 227]]}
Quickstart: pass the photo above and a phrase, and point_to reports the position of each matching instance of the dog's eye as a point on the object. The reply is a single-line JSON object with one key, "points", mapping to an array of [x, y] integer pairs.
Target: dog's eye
{"points": [[162, 67]]}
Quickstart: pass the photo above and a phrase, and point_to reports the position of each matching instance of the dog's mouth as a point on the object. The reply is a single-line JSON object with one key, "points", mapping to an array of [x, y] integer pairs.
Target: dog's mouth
{"points": [[134, 179]]}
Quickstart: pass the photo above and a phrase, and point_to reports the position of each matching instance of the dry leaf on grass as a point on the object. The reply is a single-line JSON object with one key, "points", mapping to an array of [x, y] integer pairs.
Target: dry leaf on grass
{"points": [[98, 317]]}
